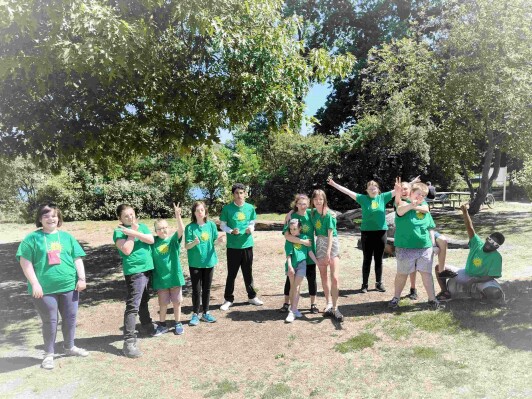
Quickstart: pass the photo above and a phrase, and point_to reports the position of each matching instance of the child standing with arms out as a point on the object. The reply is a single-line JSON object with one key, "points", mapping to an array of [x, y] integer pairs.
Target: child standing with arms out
{"points": [[301, 212], [200, 237], [413, 242], [168, 275], [133, 241], [296, 267], [327, 251]]}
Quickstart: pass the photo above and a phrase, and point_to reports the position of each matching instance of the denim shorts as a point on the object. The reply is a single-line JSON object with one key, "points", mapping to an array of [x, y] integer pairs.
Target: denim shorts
{"points": [[300, 269]]}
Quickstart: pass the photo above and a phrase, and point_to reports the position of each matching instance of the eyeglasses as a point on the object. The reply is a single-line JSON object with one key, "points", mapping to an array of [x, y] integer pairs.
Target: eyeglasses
{"points": [[492, 242]]}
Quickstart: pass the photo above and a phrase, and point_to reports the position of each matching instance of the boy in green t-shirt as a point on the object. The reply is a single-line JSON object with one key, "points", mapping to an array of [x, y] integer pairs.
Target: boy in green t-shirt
{"points": [[484, 262], [238, 221], [133, 241], [167, 273]]}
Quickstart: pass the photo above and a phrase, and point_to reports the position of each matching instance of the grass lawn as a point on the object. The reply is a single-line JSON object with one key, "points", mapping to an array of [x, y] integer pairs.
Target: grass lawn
{"points": [[469, 350]]}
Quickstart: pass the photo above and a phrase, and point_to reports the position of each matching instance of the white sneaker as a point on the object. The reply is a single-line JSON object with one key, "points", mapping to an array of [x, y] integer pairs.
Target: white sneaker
{"points": [[48, 361], [297, 313], [290, 318], [226, 305], [75, 351], [256, 301]]}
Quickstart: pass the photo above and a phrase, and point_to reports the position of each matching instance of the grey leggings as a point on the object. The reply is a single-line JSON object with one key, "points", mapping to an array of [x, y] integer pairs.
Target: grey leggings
{"points": [[48, 306]]}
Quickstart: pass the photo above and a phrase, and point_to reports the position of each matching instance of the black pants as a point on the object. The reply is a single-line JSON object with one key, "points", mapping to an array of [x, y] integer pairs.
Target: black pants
{"points": [[201, 278], [311, 279], [373, 243], [136, 302], [237, 258]]}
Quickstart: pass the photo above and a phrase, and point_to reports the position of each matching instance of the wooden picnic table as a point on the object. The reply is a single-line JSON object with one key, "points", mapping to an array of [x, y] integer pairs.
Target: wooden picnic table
{"points": [[453, 198]]}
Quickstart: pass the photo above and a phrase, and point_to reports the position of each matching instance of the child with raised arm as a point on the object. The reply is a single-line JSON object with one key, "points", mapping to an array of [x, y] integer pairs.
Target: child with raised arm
{"points": [[327, 252], [200, 237], [134, 241], [301, 212], [296, 267], [413, 242], [168, 275]]}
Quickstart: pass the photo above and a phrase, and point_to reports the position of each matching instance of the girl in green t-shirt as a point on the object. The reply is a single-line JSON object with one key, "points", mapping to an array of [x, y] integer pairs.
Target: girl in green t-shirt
{"points": [[327, 251], [167, 274], [200, 237], [51, 261]]}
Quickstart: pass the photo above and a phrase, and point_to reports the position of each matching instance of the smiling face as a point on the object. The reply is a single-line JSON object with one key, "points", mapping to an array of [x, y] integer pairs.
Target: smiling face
{"points": [[161, 229], [405, 190], [491, 244], [417, 195], [49, 220], [127, 216], [373, 189], [302, 205], [295, 230]]}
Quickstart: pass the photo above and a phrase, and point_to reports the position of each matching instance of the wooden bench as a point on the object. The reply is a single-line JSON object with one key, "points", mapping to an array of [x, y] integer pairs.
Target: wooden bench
{"points": [[440, 199]]}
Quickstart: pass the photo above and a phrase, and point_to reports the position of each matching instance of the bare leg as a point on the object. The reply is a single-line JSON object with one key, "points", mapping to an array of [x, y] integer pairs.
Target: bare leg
{"points": [[441, 242], [399, 283], [322, 266], [295, 283], [335, 289], [413, 280], [162, 309], [441, 281], [428, 283]]}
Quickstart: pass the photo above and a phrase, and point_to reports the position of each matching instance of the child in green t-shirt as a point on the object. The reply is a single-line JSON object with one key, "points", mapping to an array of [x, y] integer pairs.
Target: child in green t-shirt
{"points": [[168, 275], [133, 241], [200, 237], [296, 267]]}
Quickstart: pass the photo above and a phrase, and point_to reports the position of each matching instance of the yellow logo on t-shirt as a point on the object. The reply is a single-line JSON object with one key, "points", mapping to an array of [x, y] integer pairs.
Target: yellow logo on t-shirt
{"points": [[163, 248], [374, 204], [477, 262], [305, 228], [205, 236], [240, 216], [297, 246], [420, 215], [318, 224], [56, 246]]}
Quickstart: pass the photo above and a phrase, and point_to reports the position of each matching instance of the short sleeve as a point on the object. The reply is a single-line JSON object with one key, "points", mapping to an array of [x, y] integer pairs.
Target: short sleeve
{"points": [[386, 197], [119, 235], [77, 250], [26, 251], [214, 229], [189, 236], [253, 214]]}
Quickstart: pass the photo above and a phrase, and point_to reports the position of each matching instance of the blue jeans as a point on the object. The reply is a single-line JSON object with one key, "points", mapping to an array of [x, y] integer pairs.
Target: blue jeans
{"points": [[48, 306], [137, 302]]}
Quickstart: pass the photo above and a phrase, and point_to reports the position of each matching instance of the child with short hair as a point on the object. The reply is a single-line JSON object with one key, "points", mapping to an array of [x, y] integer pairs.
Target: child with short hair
{"points": [[413, 242], [296, 267], [168, 275], [200, 237], [133, 241]]}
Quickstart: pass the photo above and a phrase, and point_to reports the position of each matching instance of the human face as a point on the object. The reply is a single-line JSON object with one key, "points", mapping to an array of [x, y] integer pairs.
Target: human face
{"points": [[295, 230], [372, 190], [417, 195], [318, 201], [161, 229], [239, 196], [490, 245], [200, 214], [302, 205], [127, 217], [49, 221], [405, 191]]}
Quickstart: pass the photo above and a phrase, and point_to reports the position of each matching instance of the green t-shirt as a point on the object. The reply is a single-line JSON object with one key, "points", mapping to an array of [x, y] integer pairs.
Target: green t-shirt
{"points": [[140, 259], [167, 271], [480, 263], [322, 224], [202, 255], [412, 229], [53, 279], [297, 253], [374, 211], [307, 231], [238, 217]]}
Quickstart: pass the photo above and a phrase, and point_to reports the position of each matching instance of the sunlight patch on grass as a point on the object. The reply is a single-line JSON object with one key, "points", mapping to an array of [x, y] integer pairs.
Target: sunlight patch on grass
{"points": [[435, 321], [425, 352], [280, 390], [487, 313], [359, 342], [222, 388], [398, 328]]}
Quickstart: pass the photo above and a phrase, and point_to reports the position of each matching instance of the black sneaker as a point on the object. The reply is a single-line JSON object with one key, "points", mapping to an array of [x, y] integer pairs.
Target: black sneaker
{"points": [[284, 308], [380, 287], [364, 289], [148, 329], [413, 294], [338, 316], [447, 274], [130, 348], [394, 303], [435, 305], [314, 309]]}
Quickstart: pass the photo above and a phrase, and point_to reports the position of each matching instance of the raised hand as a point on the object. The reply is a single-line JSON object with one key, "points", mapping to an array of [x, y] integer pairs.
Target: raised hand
{"points": [[177, 209], [397, 186]]}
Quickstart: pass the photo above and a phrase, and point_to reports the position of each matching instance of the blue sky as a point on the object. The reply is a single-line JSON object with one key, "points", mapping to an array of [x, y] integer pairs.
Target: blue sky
{"points": [[315, 99]]}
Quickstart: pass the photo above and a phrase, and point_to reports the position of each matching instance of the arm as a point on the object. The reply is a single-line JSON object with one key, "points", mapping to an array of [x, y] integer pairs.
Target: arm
{"points": [[80, 269], [133, 232], [422, 208], [227, 229], [313, 257], [296, 240], [342, 189], [180, 224], [192, 244], [251, 227], [404, 207], [329, 244], [29, 272], [397, 189], [126, 245], [291, 270], [467, 221]]}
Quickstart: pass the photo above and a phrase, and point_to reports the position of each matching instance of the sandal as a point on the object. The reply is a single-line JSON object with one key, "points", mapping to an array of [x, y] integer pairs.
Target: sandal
{"points": [[284, 308], [314, 309], [444, 296]]}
